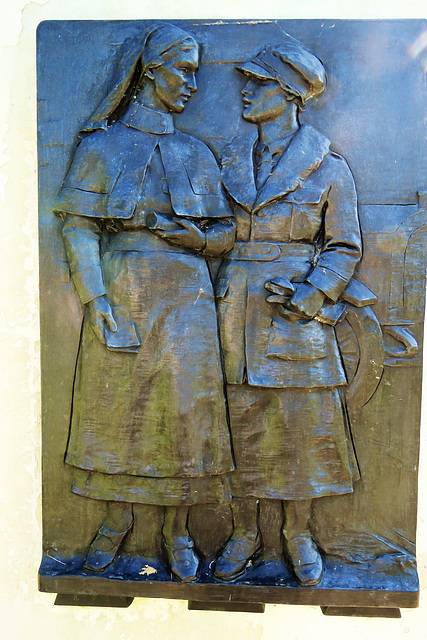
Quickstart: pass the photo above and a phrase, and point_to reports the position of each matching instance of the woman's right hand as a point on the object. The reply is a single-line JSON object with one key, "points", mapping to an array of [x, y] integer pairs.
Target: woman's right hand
{"points": [[187, 235], [100, 313]]}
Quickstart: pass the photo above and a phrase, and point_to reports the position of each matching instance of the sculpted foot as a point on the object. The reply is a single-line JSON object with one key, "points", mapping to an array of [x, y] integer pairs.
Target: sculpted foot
{"points": [[305, 558], [234, 558], [104, 548], [181, 557]]}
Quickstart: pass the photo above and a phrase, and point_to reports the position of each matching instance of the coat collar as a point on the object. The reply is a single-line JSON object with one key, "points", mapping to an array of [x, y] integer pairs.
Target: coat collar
{"points": [[304, 154], [237, 170], [148, 120]]}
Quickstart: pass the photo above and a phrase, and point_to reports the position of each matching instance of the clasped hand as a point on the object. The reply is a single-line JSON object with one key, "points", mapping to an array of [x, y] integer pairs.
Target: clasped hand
{"points": [[306, 301], [188, 237]]}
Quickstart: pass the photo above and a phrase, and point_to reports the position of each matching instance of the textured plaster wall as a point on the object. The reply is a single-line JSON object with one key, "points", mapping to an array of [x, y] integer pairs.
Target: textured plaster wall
{"points": [[24, 612]]}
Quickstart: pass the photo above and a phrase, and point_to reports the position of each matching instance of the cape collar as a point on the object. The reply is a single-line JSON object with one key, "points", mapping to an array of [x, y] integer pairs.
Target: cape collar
{"points": [[148, 120], [304, 154]]}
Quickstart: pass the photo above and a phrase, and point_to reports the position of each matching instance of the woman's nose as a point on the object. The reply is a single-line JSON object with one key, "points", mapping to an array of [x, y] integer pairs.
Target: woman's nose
{"points": [[191, 84]]}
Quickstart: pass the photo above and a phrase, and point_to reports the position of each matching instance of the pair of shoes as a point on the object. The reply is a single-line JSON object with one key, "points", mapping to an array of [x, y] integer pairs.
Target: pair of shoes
{"points": [[104, 548], [181, 558], [305, 558], [236, 554]]}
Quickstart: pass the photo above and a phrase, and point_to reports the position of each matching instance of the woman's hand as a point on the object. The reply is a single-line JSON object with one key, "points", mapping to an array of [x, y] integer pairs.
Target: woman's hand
{"points": [[306, 301], [189, 237], [100, 313]]}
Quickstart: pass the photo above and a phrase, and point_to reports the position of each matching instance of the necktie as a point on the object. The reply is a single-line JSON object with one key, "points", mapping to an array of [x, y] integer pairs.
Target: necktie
{"points": [[264, 162]]}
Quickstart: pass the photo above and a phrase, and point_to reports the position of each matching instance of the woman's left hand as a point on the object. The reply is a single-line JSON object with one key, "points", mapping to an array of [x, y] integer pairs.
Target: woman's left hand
{"points": [[306, 301], [189, 237]]}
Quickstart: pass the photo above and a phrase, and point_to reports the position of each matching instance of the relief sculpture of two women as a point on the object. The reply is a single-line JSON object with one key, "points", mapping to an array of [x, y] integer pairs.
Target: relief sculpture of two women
{"points": [[192, 389]]}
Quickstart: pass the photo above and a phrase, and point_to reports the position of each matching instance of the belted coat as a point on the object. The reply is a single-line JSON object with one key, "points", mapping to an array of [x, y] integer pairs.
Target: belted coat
{"points": [[290, 435], [302, 224]]}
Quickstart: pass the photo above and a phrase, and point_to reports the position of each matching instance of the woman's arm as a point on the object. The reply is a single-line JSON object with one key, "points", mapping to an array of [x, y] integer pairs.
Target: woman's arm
{"points": [[342, 243], [81, 237], [341, 249], [212, 239]]}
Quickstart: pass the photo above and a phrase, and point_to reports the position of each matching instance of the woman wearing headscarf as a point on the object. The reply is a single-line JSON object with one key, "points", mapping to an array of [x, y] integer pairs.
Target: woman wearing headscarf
{"points": [[143, 208], [298, 243]]}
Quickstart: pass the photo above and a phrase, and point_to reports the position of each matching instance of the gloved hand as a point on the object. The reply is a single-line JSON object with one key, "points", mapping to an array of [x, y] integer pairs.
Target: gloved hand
{"points": [[306, 301]]}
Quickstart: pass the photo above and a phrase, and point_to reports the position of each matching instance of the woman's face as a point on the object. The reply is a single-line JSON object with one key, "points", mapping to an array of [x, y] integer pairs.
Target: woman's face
{"points": [[263, 100], [175, 80]]}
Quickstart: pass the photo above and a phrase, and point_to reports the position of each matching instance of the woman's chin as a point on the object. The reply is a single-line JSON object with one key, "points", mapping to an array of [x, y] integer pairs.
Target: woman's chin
{"points": [[177, 107], [246, 115]]}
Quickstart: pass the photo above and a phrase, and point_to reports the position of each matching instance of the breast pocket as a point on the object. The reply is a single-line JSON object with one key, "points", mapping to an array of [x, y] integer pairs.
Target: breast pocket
{"points": [[306, 213], [301, 341]]}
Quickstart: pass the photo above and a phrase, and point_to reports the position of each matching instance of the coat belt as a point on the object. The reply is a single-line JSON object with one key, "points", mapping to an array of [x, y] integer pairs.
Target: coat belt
{"points": [[270, 251]]}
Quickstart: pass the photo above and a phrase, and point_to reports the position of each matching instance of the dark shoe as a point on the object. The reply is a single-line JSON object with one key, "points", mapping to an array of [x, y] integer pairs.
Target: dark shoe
{"points": [[305, 559], [234, 558], [104, 548], [181, 558]]}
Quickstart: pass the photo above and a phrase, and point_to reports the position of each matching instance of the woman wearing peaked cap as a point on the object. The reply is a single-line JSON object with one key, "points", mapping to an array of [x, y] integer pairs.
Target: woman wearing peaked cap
{"points": [[298, 243], [149, 420]]}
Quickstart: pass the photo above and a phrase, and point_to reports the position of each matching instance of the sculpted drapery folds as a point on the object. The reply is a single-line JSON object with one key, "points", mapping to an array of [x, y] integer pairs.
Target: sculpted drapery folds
{"points": [[143, 208], [230, 393], [298, 243]]}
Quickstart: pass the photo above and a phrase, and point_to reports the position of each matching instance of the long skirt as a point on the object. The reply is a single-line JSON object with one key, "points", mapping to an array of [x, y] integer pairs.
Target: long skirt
{"points": [[290, 444], [151, 426]]}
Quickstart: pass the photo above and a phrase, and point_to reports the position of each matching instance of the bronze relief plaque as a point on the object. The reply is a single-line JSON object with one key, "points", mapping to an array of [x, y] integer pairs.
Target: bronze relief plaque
{"points": [[232, 233]]}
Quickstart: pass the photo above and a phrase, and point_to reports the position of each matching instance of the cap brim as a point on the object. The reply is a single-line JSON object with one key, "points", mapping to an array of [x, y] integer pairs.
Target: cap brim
{"points": [[253, 69]]}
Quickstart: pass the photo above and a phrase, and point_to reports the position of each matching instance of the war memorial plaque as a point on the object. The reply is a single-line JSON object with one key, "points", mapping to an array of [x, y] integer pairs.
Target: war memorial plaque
{"points": [[233, 220]]}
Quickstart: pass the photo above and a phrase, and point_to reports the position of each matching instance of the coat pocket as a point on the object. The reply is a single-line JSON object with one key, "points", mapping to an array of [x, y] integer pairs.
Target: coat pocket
{"points": [[306, 213], [302, 341]]}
